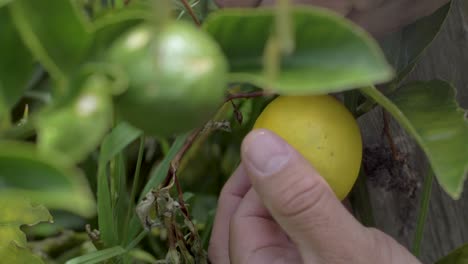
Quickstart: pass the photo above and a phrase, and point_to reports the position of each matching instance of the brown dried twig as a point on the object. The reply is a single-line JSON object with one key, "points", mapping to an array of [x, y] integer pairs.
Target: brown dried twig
{"points": [[386, 132], [191, 12]]}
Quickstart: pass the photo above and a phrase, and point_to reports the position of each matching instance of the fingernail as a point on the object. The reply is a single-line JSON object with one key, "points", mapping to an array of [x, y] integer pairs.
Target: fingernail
{"points": [[265, 152]]}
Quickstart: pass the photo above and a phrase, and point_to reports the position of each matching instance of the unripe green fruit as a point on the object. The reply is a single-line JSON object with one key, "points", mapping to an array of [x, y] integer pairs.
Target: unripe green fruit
{"points": [[177, 77]]}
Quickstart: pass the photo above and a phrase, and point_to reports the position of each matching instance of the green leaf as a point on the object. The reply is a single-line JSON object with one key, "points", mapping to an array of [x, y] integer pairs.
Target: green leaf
{"points": [[24, 172], [143, 256], [113, 144], [331, 53], [429, 112], [16, 64], [106, 221], [98, 256], [16, 211], [459, 256], [157, 175], [4, 2], [117, 140], [110, 26], [404, 48], [58, 41], [84, 119]]}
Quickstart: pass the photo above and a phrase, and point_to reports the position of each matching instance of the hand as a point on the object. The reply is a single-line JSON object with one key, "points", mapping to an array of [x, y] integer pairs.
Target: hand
{"points": [[276, 208], [376, 16]]}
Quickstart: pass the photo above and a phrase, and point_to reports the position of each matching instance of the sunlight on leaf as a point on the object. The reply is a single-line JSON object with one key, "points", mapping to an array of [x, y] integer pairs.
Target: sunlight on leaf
{"points": [[16, 212], [331, 53]]}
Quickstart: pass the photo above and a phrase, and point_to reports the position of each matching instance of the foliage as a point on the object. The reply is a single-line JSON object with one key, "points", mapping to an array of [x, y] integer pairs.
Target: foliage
{"points": [[65, 145]]}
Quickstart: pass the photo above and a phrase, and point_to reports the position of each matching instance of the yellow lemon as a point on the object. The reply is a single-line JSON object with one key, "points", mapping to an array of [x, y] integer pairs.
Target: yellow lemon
{"points": [[323, 131]]}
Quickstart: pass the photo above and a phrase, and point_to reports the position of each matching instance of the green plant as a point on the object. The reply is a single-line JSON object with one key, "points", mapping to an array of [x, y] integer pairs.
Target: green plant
{"points": [[68, 88]]}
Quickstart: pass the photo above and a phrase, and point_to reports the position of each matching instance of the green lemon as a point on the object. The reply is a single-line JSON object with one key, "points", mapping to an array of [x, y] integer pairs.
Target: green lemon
{"points": [[177, 77]]}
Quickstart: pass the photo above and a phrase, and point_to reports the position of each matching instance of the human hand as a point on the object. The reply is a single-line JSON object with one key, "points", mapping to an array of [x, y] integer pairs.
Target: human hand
{"points": [[376, 16], [276, 208]]}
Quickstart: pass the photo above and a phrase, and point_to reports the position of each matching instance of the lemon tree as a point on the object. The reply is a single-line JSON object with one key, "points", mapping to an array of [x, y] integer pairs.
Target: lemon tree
{"points": [[109, 106]]}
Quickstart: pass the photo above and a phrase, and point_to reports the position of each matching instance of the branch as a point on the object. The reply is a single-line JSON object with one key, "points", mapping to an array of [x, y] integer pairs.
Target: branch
{"points": [[386, 132], [246, 95], [190, 11]]}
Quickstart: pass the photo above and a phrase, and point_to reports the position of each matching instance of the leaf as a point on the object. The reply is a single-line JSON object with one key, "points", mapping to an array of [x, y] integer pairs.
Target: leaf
{"points": [[16, 211], [429, 112], [4, 2], [331, 53], [117, 140], [84, 119], [58, 41], [458, 256], [16, 64], [98, 256], [404, 48], [143, 256], [110, 26], [24, 172], [156, 177], [159, 173]]}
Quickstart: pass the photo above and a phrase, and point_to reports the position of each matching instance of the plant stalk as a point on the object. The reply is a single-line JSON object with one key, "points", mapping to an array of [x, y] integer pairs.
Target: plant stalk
{"points": [[422, 216]]}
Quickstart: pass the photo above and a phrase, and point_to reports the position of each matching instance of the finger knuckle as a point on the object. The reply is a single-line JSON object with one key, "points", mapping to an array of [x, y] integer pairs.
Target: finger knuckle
{"points": [[300, 196]]}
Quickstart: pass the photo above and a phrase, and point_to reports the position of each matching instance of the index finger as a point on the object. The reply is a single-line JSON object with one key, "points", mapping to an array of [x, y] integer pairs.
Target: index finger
{"points": [[231, 195]]}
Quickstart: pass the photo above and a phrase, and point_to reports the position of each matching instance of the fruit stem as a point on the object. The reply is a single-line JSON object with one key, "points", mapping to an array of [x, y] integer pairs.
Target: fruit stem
{"points": [[424, 208]]}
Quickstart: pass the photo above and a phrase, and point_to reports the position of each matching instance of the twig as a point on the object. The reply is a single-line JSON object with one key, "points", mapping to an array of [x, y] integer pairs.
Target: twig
{"points": [[178, 157], [172, 172], [245, 95], [190, 11], [386, 132], [181, 197]]}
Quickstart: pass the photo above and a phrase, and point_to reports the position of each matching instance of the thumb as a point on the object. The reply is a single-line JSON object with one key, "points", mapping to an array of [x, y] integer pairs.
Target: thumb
{"points": [[299, 199]]}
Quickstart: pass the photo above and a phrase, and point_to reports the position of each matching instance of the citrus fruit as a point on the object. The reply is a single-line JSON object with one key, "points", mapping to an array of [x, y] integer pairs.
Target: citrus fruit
{"points": [[177, 77], [323, 131]]}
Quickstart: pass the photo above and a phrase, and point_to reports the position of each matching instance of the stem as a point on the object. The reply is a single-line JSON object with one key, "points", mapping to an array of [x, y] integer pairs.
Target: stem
{"points": [[176, 161], [181, 197], [245, 95], [424, 208], [191, 13], [386, 131], [136, 180]]}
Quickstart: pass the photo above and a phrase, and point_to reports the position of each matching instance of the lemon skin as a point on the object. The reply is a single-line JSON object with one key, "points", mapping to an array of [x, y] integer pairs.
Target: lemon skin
{"points": [[322, 130]]}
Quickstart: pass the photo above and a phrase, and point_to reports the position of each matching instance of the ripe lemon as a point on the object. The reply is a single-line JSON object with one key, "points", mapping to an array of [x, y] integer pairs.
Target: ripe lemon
{"points": [[323, 131]]}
